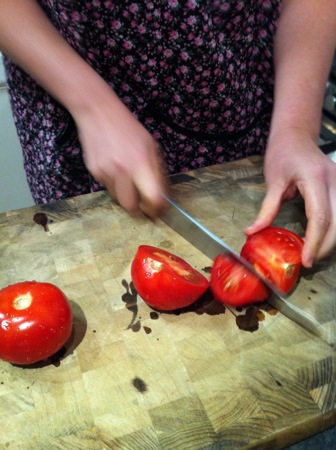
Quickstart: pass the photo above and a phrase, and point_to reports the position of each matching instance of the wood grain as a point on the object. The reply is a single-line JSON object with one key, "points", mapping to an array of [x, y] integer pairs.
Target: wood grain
{"points": [[139, 379]]}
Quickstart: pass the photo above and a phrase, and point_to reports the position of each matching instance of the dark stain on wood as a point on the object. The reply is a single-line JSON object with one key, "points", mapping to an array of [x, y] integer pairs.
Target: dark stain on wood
{"points": [[139, 384], [41, 219], [268, 308], [250, 320], [135, 327], [207, 269], [204, 305], [130, 300]]}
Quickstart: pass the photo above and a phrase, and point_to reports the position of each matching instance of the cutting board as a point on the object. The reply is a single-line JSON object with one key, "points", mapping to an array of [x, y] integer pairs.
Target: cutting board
{"points": [[207, 377]]}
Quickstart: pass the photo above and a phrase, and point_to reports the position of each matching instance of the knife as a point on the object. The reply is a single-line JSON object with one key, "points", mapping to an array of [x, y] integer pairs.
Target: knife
{"points": [[210, 245]]}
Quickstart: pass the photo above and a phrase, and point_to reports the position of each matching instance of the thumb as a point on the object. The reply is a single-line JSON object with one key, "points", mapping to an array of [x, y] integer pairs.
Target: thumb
{"points": [[269, 209]]}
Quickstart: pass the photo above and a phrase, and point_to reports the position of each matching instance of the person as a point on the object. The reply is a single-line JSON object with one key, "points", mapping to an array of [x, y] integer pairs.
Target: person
{"points": [[116, 94]]}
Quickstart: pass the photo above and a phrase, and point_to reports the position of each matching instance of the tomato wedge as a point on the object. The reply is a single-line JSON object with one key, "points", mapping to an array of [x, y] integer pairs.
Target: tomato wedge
{"points": [[233, 284], [165, 281], [276, 253]]}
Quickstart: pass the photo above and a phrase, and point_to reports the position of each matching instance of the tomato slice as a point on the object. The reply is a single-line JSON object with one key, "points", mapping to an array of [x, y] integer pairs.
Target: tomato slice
{"points": [[233, 284], [166, 281], [276, 253]]}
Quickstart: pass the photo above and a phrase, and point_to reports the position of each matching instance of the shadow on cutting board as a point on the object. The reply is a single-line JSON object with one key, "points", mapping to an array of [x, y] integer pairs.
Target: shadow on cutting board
{"points": [[76, 337]]}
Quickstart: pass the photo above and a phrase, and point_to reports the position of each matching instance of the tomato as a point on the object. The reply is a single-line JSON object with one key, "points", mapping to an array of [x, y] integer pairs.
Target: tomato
{"points": [[35, 322], [165, 281], [233, 284], [276, 253]]}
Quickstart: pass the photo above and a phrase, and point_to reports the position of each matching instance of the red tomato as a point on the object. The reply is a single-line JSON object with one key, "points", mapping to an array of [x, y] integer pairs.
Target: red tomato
{"points": [[165, 281], [276, 253], [35, 322], [233, 284]]}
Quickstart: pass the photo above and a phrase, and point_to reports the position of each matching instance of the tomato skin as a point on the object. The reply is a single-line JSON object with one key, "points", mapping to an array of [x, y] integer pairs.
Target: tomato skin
{"points": [[276, 253], [165, 281], [233, 284], [35, 322]]}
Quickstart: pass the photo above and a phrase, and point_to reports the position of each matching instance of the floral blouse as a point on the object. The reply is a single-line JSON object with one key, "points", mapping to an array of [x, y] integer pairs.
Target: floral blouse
{"points": [[198, 74]]}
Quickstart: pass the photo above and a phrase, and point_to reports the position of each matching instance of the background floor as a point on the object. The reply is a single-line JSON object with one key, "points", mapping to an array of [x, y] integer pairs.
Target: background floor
{"points": [[322, 441]]}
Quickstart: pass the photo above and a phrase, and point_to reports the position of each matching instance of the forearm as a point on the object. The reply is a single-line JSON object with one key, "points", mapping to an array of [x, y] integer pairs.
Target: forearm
{"points": [[303, 50], [29, 38]]}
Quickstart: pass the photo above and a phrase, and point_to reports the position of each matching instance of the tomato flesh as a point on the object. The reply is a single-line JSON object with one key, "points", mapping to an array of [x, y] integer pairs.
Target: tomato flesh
{"points": [[35, 322], [233, 284], [276, 253], [165, 281]]}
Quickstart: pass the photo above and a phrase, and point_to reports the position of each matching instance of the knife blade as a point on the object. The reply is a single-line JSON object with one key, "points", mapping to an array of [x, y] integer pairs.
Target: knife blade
{"points": [[211, 246]]}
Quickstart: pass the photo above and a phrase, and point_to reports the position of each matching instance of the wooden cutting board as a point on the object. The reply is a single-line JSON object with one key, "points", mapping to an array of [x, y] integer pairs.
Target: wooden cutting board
{"points": [[132, 378]]}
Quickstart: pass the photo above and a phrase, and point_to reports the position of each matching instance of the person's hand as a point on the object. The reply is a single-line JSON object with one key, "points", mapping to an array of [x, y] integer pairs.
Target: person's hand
{"points": [[294, 164], [122, 156]]}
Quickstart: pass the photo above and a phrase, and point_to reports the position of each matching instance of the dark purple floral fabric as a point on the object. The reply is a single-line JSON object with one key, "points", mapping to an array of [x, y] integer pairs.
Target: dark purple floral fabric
{"points": [[198, 74]]}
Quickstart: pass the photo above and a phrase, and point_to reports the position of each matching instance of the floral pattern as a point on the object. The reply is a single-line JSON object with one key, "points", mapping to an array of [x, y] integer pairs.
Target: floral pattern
{"points": [[198, 74]]}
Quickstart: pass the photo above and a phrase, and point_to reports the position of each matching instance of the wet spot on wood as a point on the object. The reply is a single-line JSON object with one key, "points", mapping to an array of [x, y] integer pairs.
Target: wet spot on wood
{"points": [[166, 244], [207, 304], [136, 326], [139, 384], [212, 308], [147, 330], [207, 269], [260, 315], [41, 219], [130, 300], [250, 320], [269, 309]]}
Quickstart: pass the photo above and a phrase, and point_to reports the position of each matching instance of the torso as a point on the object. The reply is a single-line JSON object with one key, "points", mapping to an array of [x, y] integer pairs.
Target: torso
{"points": [[196, 73]]}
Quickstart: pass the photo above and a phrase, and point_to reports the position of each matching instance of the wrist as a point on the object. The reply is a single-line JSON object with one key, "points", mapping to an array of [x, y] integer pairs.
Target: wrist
{"points": [[293, 120], [93, 100], [294, 130]]}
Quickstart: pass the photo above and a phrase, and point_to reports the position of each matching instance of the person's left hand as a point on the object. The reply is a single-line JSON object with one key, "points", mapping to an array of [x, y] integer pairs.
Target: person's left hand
{"points": [[294, 164]]}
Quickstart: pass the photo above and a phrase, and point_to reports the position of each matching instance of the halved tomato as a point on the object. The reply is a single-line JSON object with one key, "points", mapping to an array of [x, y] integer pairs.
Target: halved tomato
{"points": [[276, 253], [165, 281], [233, 284]]}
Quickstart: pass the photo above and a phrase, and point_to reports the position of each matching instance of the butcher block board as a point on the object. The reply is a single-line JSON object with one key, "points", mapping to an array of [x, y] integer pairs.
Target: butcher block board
{"points": [[134, 378]]}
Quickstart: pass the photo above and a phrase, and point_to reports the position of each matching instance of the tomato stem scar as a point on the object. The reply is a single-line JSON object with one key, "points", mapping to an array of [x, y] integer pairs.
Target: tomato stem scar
{"points": [[23, 301]]}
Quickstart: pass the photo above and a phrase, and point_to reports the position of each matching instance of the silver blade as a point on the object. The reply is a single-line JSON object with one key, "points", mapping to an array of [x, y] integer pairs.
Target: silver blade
{"points": [[210, 245]]}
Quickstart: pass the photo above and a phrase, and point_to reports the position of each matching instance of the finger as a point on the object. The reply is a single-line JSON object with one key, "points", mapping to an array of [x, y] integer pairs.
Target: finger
{"points": [[318, 212], [150, 185], [122, 189], [329, 238], [269, 209], [329, 242]]}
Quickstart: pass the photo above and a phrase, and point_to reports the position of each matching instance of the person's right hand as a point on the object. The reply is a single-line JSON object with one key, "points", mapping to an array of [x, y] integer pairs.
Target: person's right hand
{"points": [[122, 156], [118, 151]]}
